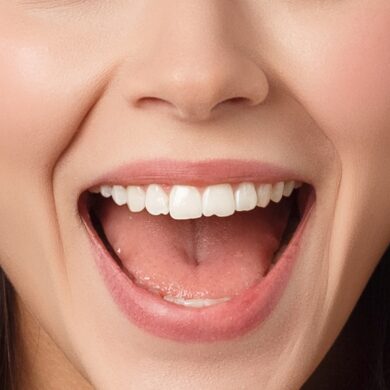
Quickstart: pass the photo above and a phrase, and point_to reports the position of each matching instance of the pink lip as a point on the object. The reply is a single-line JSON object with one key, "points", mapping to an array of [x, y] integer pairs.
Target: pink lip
{"points": [[166, 171], [224, 321]]}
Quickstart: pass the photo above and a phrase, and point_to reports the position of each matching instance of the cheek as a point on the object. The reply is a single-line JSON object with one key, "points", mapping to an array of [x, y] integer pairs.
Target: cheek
{"points": [[352, 105], [32, 112], [358, 84], [340, 72], [46, 86], [43, 96], [351, 90]]}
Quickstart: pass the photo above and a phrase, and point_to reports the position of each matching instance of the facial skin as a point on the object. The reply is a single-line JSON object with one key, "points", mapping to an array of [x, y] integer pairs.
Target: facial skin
{"points": [[76, 81]]}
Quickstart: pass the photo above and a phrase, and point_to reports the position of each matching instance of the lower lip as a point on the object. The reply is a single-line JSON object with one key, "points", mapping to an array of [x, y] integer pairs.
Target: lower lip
{"points": [[224, 321]]}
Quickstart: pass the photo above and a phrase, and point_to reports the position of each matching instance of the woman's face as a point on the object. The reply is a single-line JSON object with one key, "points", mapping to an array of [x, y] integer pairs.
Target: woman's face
{"points": [[300, 89]]}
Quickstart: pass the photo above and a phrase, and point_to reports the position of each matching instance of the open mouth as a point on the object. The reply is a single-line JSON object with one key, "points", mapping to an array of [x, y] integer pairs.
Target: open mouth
{"points": [[192, 262]]}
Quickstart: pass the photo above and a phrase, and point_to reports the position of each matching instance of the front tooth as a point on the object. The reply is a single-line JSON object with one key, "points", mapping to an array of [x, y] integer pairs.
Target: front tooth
{"points": [[185, 202], [156, 201], [106, 191], [119, 195], [288, 188], [196, 302], [264, 195], [218, 200], [135, 198], [277, 192], [245, 197]]}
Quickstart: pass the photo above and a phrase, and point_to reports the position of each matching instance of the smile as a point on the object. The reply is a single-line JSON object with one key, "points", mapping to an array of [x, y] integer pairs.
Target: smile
{"points": [[201, 257]]}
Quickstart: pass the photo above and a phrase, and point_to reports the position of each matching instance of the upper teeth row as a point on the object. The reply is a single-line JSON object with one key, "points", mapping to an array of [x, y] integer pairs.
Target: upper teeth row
{"points": [[187, 202]]}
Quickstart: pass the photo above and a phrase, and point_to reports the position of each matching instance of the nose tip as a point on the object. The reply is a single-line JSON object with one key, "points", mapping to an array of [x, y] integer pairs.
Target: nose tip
{"points": [[194, 92]]}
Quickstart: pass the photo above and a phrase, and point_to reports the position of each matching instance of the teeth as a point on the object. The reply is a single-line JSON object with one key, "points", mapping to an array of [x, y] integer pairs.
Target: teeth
{"points": [[185, 202], [119, 195], [196, 302], [245, 197], [189, 202], [156, 201], [106, 191], [135, 198], [264, 194], [277, 192], [288, 188], [218, 200]]}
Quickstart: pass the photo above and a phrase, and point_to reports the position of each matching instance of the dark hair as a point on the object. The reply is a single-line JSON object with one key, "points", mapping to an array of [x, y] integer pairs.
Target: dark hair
{"points": [[8, 334], [358, 360]]}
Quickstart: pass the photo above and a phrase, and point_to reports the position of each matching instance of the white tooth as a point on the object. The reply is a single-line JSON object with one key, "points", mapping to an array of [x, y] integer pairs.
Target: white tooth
{"points": [[264, 195], [156, 200], [196, 302], [185, 202], [218, 200], [106, 191], [277, 192], [245, 197], [135, 198], [288, 188], [119, 195]]}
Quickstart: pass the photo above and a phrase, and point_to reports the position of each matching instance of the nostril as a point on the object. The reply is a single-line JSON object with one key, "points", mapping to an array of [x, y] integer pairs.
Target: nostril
{"points": [[151, 101], [154, 101], [237, 100], [199, 111]]}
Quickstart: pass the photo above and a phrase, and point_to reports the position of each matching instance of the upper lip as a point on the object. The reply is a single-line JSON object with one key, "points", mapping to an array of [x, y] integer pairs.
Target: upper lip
{"points": [[197, 173]]}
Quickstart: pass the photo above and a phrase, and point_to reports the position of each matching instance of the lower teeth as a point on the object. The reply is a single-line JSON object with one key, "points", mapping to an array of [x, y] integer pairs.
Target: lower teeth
{"points": [[199, 302]]}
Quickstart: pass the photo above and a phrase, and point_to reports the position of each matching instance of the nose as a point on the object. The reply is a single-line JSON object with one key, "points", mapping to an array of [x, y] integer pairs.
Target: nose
{"points": [[194, 68]]}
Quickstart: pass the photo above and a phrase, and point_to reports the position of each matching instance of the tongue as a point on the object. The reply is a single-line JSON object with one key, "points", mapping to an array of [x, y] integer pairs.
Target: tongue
{"points": [[210, 257]]}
